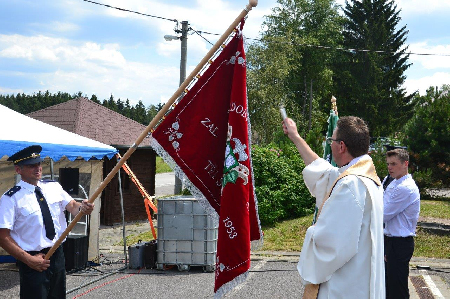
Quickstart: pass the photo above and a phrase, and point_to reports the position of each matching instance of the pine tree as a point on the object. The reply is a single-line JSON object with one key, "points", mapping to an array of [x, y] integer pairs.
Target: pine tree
{"points": [[140, 113], [368, 84], [95, 99], [427, 138], [28, 103]]}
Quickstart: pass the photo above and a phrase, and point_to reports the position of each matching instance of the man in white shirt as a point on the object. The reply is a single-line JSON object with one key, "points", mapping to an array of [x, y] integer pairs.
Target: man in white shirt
{"points": [[401, 212], [342, 252], [31, 221]]}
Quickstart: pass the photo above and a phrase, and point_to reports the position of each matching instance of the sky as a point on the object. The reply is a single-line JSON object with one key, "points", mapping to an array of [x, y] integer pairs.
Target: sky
{"points": [[74, 45]]}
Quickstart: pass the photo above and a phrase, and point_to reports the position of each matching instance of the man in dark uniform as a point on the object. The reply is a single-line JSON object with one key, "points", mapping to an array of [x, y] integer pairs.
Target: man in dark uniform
{"points": [[31, 220]]}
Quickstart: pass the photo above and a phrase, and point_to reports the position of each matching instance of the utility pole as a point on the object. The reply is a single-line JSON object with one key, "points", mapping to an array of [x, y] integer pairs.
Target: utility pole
{"points": [[184, 31], [183, 60]]}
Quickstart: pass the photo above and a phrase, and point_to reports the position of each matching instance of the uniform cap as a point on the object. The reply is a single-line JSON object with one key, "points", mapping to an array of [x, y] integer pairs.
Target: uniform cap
{"points": [[27, 156]]}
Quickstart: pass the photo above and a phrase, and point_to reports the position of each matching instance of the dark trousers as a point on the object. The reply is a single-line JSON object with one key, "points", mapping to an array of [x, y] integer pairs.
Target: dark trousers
{"points": [[49, 284], [398, 252]]}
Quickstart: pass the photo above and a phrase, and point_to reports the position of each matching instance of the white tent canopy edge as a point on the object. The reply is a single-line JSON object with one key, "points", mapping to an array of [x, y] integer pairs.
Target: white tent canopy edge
{"points": [[19, 131]]}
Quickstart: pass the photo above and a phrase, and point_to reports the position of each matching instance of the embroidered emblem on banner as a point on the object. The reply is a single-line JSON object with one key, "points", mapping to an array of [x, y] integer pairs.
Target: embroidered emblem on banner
{"points": [[174, 135], [237, 59], [232, 168]]}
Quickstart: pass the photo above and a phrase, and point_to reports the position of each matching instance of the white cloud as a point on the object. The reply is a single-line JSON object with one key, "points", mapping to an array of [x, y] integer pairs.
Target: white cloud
{"points": [[417, 7], [205, 15], [31, 48], [440, 59], [108, 55], [63, 51], [134, 81], [423, 83], [8, 91], [89, 67], [78, 9], [168, 48], [421, 7]]}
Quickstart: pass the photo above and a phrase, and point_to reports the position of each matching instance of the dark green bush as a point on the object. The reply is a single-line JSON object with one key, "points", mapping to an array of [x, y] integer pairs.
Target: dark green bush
{"points": [[428, 139], [279, 185], [423, 179], [379, 160]]}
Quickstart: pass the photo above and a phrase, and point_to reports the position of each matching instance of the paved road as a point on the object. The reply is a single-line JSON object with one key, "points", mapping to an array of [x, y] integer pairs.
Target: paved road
{"points": [[273, 277], [269, 278], [164, 184]]}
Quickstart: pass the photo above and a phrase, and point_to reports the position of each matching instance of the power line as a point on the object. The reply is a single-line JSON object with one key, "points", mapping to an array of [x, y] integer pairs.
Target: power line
{"points": [[199, 34], [259, 40], [358, 50], [131, 11], [205, 32]]}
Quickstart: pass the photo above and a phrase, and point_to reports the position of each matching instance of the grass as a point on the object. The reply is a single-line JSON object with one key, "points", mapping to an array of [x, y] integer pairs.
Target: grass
{"points": [[431, 245], [133, 238], [288, 235], [435, 209], [161, 166]]}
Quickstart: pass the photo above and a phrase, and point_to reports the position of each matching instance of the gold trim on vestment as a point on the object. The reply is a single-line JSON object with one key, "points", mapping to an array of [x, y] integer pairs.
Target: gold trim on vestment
{"points": [[364, 168]]}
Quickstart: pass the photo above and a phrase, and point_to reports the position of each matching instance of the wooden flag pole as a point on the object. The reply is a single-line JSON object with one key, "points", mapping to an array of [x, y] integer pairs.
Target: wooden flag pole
{"points": [[156, 119]]}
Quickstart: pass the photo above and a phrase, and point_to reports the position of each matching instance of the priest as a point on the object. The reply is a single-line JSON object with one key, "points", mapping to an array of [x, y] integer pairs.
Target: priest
{"points": [[342, 254]]}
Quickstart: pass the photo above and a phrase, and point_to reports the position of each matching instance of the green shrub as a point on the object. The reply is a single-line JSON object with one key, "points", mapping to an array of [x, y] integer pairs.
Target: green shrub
{"points": [[424, 179], [428, 139], [161, 166], [315, 139], [279, 185], [378, 154]]}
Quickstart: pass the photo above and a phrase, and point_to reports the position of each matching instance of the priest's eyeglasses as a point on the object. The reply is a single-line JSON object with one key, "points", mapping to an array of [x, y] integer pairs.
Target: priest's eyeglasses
{"points": [[331, 140]]}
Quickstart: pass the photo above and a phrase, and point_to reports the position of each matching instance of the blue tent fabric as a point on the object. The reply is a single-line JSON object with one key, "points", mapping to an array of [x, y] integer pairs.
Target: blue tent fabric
{"points": [[58, 151], [19, 131]]}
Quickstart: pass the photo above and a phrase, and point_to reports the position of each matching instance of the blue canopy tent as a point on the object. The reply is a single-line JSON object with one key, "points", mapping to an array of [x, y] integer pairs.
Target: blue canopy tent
{"points": [[19, 131], [64, 148]]}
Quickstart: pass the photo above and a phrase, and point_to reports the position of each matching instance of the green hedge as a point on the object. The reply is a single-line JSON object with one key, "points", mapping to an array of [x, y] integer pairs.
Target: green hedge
{"points": [[279, 185], [428, 139]]}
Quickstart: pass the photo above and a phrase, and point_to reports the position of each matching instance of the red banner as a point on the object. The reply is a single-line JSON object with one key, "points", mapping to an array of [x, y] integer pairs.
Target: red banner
{"points": [[206, 136]]}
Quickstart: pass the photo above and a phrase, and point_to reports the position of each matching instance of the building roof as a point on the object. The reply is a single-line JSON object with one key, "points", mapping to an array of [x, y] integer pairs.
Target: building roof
{"points": [[89, 119]]}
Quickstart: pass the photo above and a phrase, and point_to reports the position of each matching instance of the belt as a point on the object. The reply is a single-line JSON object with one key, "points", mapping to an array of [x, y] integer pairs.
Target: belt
{"points": [[399, 237], [45, 251]]}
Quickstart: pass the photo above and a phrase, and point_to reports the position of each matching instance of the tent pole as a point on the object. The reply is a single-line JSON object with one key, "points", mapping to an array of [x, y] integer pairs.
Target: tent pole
{"points": [[123, 219], [154, 122], [52, 176]]}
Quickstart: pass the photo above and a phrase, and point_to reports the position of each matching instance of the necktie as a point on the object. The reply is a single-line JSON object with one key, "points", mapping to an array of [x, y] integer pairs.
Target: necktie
{"points": [[48, 222]]}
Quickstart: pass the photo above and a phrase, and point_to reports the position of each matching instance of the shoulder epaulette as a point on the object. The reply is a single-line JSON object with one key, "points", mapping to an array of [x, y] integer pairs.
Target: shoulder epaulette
{"points": [[13, 190]]}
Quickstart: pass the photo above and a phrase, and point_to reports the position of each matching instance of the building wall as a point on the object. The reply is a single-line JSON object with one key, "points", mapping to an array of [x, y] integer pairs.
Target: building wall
{"points": [[143, 164]]}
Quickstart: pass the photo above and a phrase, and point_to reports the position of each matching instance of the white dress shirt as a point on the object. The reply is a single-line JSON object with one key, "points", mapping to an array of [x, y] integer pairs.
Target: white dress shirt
{"points": [[21, 214], [401, 207]]}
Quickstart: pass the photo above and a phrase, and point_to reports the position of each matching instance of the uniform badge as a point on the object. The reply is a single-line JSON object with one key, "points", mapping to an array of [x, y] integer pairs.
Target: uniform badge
{"points": [[13, 190]]}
